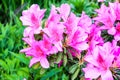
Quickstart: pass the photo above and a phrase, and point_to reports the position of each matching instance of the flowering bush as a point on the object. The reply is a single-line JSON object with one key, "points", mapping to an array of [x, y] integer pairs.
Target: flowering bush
{"points": [[64, 37]]}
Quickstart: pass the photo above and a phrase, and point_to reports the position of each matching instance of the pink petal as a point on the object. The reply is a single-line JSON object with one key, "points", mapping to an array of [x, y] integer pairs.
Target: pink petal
{"points": [[117, 37], [47, 31], [85, 22], [33, 61], [29, 40], [58, 45], [44, 62], [90, 59], [107, 75], [112, 31], [81, 46], [91, 72], [26, 21], [65, 10], [109, 59], [25, 50], [28, 31], [38, 30]]}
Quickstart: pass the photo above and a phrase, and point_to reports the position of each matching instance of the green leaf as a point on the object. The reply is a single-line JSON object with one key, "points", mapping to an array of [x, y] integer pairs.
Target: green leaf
{"points": [[10, 64], [23, 72], [51, 73], [73, 68], [5, 53], [7, 77], [59, 58], [1, 37], [65, 51], [4, 65], [10, 44], [21, 57], [52, 63], [64, 77], [74, 76], [64, 60], [42, 71], [70, 56], [36, 66]]}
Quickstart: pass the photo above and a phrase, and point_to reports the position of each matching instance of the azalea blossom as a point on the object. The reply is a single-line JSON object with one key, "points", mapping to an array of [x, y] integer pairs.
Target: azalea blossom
{"points": [[39, 50], [38, 54], [63, 30], [53, 17], [64, 11], [99, 62], [76, 36], [111, 15], [57, 14], [108, 19], [77, 39], [32, 19], [85, 22], [55, 33], [71, 24], [115, 9], [94, 38]]}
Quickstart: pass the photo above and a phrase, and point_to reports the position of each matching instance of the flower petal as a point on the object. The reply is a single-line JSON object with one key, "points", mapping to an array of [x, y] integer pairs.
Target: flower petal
{"points": [[107, 75], [33, 61], [91, 72], [112, 31], [44, 62]]}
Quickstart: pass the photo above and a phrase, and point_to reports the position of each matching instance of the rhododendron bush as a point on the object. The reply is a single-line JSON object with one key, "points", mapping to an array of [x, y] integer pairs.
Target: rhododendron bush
{"points": [[87, 45]]}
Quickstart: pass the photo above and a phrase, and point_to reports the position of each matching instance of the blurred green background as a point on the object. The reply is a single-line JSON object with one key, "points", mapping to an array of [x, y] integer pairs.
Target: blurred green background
{"points": [[13, 64]]}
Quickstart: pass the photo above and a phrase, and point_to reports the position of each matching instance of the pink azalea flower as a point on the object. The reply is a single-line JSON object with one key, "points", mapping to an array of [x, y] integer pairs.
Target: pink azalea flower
{"points": [[108, 19], [85, 22], [94, 38], [57, 14], [32, 18], [92, 72], [53, 17], [77, 39], [64, 11], [71, 23], [55, 33], [111, 14], [39, 50], [38, 53], [48, 45], [99, 62], [115, 8], [76, 36]]}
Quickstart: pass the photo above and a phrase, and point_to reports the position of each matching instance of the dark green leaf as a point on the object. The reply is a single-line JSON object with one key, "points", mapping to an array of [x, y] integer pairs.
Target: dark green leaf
{"points": [[74, 76], [73, 68], [51, 73], [59, 58], [64, 60]]}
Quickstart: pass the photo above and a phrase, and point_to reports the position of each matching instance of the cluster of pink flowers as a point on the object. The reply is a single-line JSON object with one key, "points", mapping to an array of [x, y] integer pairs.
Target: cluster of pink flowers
{"points": [[64, 30]]}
